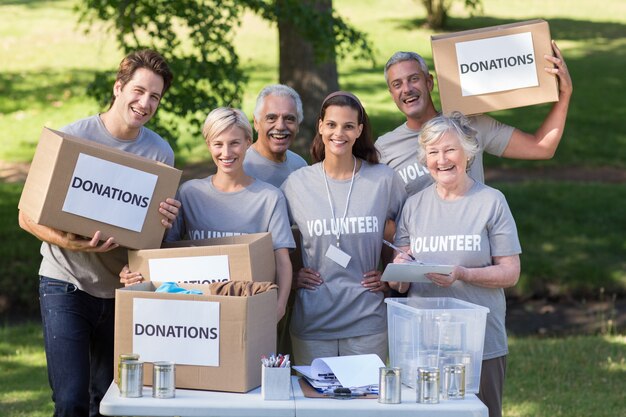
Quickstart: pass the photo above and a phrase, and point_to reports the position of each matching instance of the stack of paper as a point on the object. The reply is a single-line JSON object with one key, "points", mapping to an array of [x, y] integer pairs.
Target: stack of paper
{"points": [[357, 371]]}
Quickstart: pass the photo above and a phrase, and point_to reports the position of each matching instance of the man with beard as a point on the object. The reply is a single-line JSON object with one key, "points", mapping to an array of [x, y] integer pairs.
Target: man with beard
{"points": [[410, 85], [277, 117]]}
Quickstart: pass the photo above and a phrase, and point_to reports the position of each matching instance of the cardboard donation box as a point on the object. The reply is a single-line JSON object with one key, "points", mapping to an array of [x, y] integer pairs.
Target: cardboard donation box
{"points": [[238, 258], [215, 341], [80, 186], [494, 68]]}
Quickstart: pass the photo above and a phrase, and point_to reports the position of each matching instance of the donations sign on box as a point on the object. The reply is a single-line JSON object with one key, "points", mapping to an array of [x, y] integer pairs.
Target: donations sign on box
{"points": [[494, 68], [216, 341], [80, 186], [231, 258], [183, 332], [109, 192]]}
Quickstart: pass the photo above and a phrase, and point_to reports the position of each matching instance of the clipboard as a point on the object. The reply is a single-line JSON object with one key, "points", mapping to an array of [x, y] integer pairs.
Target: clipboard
{"points": [[309, 392], [413, 272]]}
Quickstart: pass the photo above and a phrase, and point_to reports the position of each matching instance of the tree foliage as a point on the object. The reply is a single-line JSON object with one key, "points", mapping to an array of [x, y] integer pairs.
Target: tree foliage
{"points": [[437, 11], [196, 39]]}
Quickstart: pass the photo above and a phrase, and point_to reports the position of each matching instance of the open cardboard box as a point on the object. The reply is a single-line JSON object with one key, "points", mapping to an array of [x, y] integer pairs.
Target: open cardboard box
{"points": [[243, 329], [239, 258]]}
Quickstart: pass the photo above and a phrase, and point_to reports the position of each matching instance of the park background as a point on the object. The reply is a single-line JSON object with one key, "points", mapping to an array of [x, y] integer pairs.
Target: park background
{"points": [[568, 357]]}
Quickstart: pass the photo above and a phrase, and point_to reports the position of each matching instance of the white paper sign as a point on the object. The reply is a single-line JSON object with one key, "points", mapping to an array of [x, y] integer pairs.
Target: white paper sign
{"points": [[109, 192], [191, 269], [497, 64], [184, 332]]}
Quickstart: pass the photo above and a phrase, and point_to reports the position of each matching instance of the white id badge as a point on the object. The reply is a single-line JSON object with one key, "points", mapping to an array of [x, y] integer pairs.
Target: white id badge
{"points": [[338, 256]]}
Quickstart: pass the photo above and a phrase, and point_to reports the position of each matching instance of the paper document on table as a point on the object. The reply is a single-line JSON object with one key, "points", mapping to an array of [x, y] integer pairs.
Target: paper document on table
{"points": [[350, 371], [413, 272]]}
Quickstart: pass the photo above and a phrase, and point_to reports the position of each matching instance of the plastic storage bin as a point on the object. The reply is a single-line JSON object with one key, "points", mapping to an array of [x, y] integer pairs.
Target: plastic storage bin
{"points": [[436, 332]]}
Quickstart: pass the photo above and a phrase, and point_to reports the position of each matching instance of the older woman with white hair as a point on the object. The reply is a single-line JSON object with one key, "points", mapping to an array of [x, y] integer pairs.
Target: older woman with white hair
{"points": [[459, 221]]}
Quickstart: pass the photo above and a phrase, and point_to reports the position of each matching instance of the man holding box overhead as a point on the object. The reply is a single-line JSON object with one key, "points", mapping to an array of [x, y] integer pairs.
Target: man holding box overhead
{"points": [[410, 85], [78, 275]]}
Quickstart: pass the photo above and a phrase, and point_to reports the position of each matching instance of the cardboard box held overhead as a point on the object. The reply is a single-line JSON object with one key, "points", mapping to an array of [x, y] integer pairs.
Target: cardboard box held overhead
{"points": [[215, 341], [237, 258], [494, 68], [81, 186]]}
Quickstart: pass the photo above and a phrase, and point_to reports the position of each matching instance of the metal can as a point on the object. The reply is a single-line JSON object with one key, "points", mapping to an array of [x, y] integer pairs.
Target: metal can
{"points": [[131, 378], [123, 358], [427, 386], [164, 380], [453, 381], [389, 385]]}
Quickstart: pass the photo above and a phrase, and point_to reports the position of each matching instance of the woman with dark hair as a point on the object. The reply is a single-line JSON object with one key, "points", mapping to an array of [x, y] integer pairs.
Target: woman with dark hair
{"points": [[341, 205]]}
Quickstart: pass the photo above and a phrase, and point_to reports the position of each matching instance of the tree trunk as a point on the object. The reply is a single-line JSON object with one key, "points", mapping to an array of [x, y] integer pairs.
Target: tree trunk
{"points": [[436, 13], [312, 80]]}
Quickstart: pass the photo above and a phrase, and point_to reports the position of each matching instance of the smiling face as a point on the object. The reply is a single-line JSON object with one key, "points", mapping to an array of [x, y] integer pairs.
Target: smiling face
{"points": [[410, 89], [447, 161], [228, 150], [339, 129], [136, 101], [277, 126]]}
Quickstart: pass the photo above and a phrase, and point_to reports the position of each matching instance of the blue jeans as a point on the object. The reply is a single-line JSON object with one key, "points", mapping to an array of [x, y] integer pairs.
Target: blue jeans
{"points": [[78, 332]]}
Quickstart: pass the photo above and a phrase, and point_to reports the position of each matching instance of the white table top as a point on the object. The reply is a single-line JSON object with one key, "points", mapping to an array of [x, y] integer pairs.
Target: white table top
{"points": [[470, 406], [193, 403]]}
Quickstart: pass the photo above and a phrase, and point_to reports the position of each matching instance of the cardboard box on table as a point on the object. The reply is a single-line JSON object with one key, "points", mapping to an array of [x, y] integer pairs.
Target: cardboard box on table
{"points": [[247, 330], [81, 186], [240, 258], [494, 68]]}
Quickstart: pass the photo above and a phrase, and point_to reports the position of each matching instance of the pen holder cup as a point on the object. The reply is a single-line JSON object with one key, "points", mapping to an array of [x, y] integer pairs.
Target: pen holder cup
{"points": [[275, 383]]}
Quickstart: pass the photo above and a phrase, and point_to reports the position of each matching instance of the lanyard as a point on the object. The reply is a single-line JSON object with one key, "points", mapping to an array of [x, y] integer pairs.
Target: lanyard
{"points": [[330, 202]]}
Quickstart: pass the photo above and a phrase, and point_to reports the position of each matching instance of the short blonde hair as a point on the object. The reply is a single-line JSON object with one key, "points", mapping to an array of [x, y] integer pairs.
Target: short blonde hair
{"points": [[456, 123], [223, 118]]}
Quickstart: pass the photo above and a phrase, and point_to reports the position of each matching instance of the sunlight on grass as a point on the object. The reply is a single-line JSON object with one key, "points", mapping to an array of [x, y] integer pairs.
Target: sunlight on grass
{"points": [[545, 377], [585, 33], [24, 390]]}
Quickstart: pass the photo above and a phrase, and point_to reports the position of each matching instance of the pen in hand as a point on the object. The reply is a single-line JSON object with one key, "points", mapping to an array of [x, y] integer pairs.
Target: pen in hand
{"points": [[394, 247]]}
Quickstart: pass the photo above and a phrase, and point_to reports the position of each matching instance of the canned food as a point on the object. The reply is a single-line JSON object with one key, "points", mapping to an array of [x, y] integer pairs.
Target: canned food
{"points": [[131, 378], [454, 381], [389, 386], [427, 386], [164, 380]]}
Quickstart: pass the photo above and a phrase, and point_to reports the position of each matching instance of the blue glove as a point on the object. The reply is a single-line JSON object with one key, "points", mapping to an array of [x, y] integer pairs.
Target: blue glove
{"points": [[174, 288]]}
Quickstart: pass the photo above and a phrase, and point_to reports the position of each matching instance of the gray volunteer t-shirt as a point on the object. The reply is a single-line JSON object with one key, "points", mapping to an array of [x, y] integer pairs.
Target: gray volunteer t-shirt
{"points": [[398, 149], [467, 232], [341, 307], [209, 213], [97, 273], [275, 173]]}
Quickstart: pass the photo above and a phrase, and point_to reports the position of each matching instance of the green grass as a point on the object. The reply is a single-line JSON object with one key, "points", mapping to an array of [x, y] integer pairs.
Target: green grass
{"points": [[46, 62], [20, 258], [24, 390], [575, 377], [572, 236]]}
